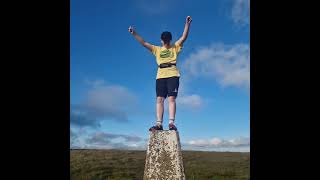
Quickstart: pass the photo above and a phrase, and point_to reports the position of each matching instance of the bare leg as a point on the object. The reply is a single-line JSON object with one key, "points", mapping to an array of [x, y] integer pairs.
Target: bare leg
{"points": [[172, 108], [160, 102]]}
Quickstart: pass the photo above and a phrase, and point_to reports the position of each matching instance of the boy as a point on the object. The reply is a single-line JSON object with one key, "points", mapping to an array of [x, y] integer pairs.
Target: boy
{"points": [[167, 81]]}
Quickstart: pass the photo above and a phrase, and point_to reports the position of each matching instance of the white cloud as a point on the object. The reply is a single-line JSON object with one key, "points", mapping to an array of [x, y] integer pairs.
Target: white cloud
{"points": [[190, 101], [229, 65], [187, 98], [240, 12], [217, 142], [103, 102], [102, 137], [104, 140], [77, 140], [110, 97]]}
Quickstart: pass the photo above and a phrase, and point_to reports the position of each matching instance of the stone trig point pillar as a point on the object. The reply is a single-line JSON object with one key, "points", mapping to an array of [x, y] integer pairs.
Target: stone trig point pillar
{"points": [[164, 158]]}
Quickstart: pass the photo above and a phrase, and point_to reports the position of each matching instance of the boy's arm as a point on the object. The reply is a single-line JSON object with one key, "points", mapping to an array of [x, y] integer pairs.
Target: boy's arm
{"points": [[139, 38], [185, 31]]}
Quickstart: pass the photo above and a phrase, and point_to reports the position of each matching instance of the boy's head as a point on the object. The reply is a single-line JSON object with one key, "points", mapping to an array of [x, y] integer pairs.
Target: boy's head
{"points": [[166, 37]]}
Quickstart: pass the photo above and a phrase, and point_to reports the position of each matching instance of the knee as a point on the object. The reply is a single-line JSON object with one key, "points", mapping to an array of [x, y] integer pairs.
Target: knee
{"points": [[160, 100], [172, 99]]}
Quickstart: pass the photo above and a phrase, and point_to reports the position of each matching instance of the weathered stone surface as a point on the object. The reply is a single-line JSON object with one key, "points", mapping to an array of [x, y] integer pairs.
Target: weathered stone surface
{"points": [[164, 157]]}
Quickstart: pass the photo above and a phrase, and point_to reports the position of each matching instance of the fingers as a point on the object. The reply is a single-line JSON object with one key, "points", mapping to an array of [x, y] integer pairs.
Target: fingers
{"points": [[130, 29], [188, 19]]}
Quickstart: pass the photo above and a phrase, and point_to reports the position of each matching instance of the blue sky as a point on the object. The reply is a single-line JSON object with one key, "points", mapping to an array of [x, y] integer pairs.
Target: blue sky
{"points": [[113, 76]]}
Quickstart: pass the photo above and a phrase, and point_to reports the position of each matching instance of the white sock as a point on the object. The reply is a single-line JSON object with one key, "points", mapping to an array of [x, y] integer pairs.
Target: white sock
{"points": [[159, 122], [171, 121]]}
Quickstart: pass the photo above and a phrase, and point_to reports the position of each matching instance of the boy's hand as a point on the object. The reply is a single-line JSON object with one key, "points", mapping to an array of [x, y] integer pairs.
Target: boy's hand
{"points": [[131, 30], [188, 19]]}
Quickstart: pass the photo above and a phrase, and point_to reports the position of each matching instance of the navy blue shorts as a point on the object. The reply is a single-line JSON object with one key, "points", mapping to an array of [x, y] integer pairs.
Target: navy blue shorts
{"points": [[167, 87]]}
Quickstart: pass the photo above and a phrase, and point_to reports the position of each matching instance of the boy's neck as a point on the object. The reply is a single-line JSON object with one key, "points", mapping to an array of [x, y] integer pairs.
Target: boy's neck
{"points": [[166, 46]]}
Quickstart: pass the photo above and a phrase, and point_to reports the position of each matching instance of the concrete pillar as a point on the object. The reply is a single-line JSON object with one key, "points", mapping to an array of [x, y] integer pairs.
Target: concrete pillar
{"points": [[164, 157]]}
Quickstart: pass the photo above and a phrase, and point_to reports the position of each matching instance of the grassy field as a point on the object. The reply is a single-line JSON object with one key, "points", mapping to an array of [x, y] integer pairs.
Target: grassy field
{"points": [[129, 165]]}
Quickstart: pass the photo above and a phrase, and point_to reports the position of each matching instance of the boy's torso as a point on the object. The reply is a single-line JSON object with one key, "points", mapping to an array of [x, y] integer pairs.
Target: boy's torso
{"points": [[164, 55]]}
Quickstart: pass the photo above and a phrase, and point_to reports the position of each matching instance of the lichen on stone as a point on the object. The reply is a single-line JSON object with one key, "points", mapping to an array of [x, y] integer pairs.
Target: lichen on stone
{"points": [[164, 158]]}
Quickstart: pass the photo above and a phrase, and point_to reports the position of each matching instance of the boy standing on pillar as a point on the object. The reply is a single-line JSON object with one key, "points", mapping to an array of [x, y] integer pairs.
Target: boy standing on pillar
{"points": [[167, 80]]}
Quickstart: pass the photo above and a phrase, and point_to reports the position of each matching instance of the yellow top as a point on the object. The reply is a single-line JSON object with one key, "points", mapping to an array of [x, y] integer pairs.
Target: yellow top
{"points": [[164, 55]]}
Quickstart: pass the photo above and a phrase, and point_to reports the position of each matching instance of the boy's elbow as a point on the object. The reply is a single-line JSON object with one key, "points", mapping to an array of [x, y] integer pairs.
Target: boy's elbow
{"points": [[183, 38]]}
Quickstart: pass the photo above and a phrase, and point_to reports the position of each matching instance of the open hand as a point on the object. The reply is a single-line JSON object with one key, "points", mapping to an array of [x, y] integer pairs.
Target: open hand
{"points": [[188, 19], [131, 30]]}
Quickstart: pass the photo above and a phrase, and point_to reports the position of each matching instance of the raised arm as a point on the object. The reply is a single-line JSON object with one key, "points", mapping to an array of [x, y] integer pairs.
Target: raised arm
{"points": [[139, 38], [185, 31]]}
